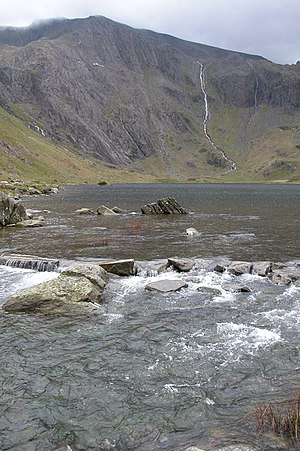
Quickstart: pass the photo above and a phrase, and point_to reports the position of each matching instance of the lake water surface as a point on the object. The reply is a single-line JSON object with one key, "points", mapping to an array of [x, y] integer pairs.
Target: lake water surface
{"points": [[146, 371]]}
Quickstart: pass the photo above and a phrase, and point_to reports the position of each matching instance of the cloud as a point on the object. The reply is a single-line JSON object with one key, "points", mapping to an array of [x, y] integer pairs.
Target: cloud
{"points": [[265, 27]]}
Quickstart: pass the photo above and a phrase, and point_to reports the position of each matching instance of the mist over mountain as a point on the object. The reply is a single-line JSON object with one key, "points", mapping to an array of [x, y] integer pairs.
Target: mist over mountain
{"points": [[138, 100]]}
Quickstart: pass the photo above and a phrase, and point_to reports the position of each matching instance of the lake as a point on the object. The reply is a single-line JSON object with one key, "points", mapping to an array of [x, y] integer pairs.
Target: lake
{"points": [[148, 371]]}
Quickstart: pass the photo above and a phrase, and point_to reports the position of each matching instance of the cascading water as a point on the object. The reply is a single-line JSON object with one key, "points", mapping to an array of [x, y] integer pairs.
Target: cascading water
{"points": [[206, 118]]}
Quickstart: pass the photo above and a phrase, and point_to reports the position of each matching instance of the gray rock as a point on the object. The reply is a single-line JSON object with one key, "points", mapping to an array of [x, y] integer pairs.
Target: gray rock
{"points": [[11, 211], [165, 205], [181, 264], [105, 211], [238, 268], [151, 268], [84, 211], [31, 223], [210, 290], [191, 231], [93, 272], [285, 276], [262, 268], [242, 290], [58, 295], [117, 210], [166, 285], [219, 268], [118, 267]]}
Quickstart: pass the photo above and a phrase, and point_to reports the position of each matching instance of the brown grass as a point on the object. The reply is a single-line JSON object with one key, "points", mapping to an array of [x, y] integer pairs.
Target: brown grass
{"points": [[283, 422]]}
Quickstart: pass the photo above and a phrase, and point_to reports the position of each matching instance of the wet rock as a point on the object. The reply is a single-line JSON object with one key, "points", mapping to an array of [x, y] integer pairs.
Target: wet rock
{"points": [[94, 273], [105, 211], [84, 211], [238, 268], [31, 223], [262, 268], [165, 205], [191, 231], [151, 268], [242, 290], [117, 210], [237, 447], [58, 295], [181, 264], [118, 267], [210, 290], [219, 268], [285, 276], [166, 285], [11, 211]]}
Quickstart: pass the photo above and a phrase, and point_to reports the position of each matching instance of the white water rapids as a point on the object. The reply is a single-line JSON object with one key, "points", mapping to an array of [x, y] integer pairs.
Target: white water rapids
{"points": [[206, 118]]}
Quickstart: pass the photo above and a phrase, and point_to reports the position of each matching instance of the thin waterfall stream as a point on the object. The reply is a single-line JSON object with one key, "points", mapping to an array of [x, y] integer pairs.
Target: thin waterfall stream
{"points": [[206, 118]]}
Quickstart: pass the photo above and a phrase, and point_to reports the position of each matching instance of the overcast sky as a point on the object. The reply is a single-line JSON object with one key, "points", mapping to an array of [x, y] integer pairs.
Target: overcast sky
{"points": [[270, 28]]}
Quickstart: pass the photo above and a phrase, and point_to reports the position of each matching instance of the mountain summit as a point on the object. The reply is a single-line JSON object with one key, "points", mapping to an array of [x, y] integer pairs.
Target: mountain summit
{"points": [[150, 102]]}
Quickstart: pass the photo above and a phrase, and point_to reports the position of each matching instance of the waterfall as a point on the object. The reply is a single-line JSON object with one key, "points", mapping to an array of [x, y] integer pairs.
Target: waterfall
{"points": [[206, 118], [29, 262]]}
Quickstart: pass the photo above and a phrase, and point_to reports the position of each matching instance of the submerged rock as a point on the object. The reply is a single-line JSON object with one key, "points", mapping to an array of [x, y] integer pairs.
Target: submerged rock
{"points": [[73, 286], [181, 264], [210, 290], [166, 285], [84, 211], [31, 223], [165, 205]]}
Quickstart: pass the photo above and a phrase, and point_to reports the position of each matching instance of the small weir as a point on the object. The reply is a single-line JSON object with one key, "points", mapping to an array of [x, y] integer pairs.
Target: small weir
{"points": [[29, 262]]}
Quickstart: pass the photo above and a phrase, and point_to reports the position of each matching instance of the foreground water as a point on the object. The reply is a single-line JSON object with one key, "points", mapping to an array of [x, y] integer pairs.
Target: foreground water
{"points": [[147, 371]]}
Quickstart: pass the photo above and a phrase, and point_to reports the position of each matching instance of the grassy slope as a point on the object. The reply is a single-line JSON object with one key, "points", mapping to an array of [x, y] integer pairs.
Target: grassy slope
{"points": [[28, 156]]}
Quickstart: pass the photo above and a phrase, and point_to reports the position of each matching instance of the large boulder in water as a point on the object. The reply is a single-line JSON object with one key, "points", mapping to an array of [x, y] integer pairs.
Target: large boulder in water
{"points": [[11, 210], [78, 284], [165, 206]]}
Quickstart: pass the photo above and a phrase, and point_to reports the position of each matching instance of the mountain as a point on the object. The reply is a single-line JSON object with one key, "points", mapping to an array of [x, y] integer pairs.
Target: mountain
{"points": [[147, 103]]}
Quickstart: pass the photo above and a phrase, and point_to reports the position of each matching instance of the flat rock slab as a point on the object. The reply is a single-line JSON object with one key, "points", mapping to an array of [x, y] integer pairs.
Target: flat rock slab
{"points": [[166, 285]]}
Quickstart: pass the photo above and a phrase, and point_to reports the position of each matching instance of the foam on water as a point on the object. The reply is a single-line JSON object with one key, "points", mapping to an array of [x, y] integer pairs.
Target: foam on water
{"points": [[14, 279]]}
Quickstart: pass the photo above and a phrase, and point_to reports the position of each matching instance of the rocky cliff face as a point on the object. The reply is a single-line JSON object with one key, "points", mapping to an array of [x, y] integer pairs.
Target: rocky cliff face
{"points": [[125, 95]]}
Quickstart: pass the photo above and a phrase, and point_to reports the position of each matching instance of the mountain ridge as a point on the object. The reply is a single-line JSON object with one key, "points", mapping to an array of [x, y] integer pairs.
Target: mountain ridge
{"points": [[132, 99]]}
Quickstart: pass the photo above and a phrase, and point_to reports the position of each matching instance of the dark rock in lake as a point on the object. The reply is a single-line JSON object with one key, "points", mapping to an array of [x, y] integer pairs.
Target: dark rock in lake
{"points": [[166, 285], [11, 211], [181, 264], [61, 294], [165, 205]]}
